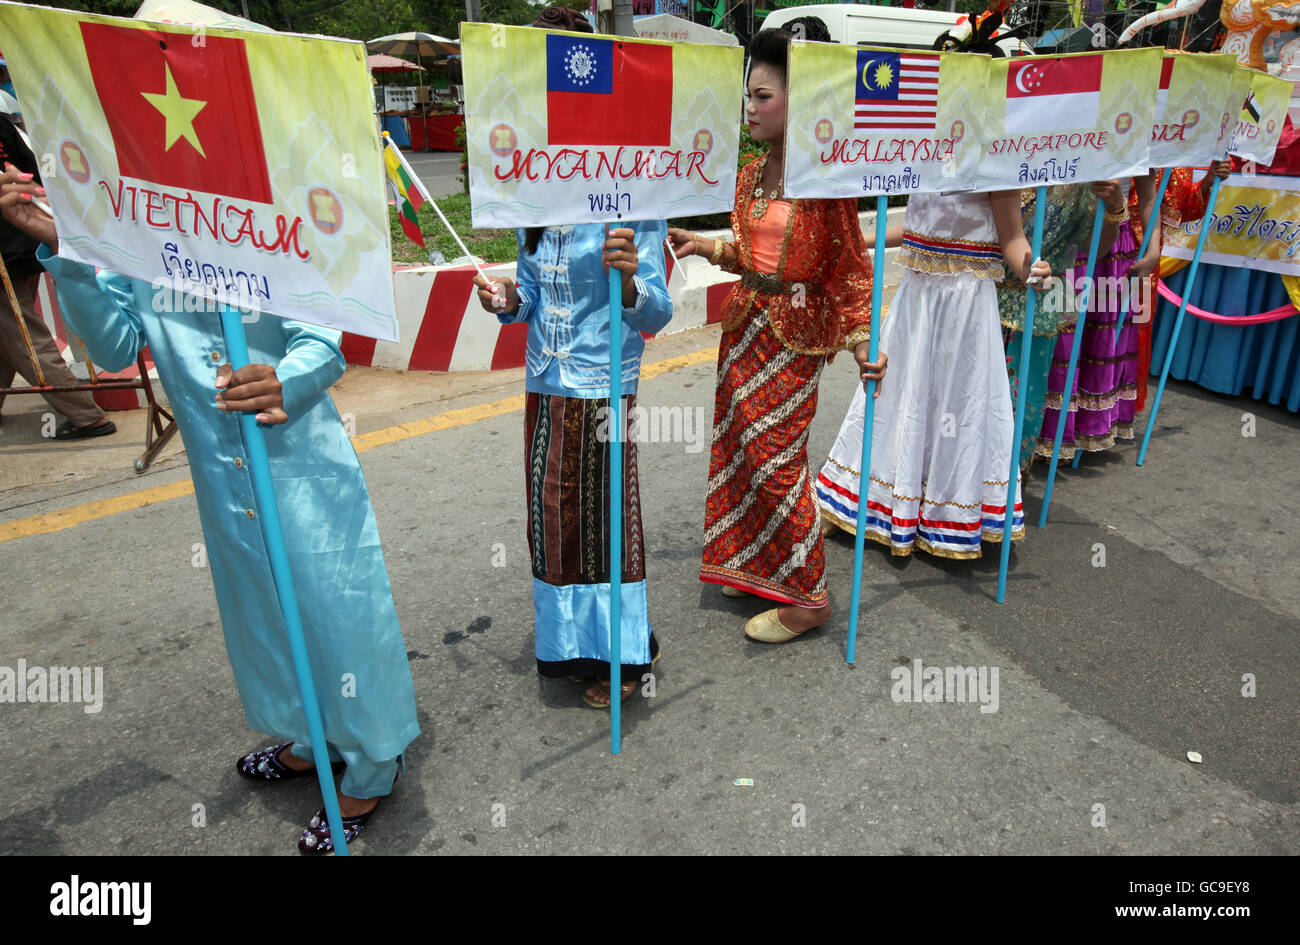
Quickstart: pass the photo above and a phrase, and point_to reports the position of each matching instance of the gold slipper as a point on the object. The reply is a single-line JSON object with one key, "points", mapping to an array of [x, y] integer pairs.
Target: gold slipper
{"points": [[768, 628]]}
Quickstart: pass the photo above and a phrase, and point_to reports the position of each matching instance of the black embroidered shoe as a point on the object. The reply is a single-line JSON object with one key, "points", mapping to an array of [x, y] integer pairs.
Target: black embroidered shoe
{"points": [[265, 765]]}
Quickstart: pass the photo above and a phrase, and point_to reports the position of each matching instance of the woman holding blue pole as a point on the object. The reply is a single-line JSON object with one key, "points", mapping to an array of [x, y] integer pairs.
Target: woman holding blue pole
{"points": [[804, 294], [355, 646]]}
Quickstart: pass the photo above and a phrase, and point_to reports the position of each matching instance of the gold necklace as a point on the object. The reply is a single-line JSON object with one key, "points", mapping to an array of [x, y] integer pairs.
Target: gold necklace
{"points": [[759, 207]]}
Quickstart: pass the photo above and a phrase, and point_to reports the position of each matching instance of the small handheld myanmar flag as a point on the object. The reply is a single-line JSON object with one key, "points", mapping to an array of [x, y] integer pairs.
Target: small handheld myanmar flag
{"points": [[409, 198]]}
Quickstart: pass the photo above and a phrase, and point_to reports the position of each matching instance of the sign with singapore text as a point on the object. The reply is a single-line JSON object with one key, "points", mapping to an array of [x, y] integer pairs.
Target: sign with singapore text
{"points": [[1069, 119], [870, 120], [564, 128], [236, 165]]}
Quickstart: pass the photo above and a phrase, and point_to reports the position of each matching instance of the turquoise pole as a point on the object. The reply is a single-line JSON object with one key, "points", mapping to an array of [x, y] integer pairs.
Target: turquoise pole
{"points": [[259, 468], [868, 421], [1022, 394], [1067, 393]]}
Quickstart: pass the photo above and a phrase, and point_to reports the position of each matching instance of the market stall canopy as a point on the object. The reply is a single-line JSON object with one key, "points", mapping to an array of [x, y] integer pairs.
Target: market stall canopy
{"points": [[667, 26], [382, 63], [414, 44]]}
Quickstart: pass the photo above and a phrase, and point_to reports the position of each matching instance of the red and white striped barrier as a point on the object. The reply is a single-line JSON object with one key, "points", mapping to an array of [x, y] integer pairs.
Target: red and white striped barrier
{"points": [[443, 327]]}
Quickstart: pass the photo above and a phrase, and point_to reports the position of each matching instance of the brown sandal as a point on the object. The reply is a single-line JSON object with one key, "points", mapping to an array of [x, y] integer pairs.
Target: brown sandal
{"points": [[625, 690]]}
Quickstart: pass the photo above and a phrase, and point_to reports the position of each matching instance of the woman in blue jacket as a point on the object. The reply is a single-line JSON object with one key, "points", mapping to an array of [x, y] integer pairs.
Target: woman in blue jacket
{"points": [[562, 292]]}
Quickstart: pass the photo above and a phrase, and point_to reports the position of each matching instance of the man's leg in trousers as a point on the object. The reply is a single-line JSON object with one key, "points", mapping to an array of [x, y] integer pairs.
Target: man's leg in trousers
{"points": [[77, 406]]}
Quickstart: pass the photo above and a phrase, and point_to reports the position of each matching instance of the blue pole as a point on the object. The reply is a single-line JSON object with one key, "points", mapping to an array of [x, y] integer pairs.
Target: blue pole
{"points": [[868, 420], [1022, 397], [1152, 226], [1182, 311], [1067, 393], [615, 508], [259, 468]]}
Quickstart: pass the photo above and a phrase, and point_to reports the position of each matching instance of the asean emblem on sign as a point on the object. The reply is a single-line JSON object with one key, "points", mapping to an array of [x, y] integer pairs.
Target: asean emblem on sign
{"points": [[1191, 117], [1123, 123], [958, 130], [1223, 123], [1271, 125], [503, 140], [824, 131], [325, 209], [74, 162], [703, 141]]}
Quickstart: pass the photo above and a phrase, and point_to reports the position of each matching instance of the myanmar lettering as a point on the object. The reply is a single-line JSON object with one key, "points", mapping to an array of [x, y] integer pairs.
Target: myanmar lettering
{"points": [[593, 164], [911, 150], [214, 217], [1029, 145]]}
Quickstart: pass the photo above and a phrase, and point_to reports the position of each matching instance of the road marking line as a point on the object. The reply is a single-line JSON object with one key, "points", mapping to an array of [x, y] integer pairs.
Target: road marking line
{"points": [[140, 498]]}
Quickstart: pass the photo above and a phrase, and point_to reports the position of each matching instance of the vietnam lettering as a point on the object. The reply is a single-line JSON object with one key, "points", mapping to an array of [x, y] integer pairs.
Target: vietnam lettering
{"points": [[220, 220]]}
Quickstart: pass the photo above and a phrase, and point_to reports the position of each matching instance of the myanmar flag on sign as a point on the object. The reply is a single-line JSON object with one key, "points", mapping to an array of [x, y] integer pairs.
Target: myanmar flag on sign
{"points": [[1046, 94], [181, 114], [608, 92]]}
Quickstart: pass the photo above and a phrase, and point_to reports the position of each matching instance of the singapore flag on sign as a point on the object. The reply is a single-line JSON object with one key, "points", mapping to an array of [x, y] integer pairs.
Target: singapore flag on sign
{"points": [[1053, 94]]}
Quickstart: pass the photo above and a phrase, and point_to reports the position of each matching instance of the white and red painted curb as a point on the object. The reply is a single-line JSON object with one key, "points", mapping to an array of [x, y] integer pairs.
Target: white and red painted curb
{"points": [[443, 327], [47, 306]]}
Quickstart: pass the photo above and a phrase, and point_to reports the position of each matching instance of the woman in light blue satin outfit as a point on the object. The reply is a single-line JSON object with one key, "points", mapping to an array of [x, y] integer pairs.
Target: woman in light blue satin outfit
{"points": [[358, 658]]}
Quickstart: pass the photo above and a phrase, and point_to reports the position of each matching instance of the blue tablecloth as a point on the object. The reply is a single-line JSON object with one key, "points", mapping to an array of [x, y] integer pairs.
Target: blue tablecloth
{"points": [[395, 125], [1258, 360]]}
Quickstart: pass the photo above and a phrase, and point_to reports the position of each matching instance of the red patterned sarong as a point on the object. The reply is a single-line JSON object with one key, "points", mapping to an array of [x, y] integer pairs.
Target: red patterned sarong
{"points": [[762, 531]]}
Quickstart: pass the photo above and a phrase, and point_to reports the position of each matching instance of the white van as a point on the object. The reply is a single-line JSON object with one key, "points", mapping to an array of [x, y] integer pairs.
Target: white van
{"points": [[863, 23]]}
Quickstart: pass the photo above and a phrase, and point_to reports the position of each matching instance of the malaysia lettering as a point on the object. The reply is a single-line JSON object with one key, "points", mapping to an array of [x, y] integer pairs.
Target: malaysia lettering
{"points": [[888, 150], [219, 220]]}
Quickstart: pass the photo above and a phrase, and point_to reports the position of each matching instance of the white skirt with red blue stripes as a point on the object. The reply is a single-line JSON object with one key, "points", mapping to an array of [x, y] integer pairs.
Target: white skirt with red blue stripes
{"points": [[942, 436]]}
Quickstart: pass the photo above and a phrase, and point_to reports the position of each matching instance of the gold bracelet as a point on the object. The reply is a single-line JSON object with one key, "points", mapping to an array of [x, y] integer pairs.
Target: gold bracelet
{"points": [[1116, 216], [717, 253]]}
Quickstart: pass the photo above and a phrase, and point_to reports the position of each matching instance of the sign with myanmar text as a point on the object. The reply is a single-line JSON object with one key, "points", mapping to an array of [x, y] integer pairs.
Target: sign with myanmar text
{"points": [[241, 166], [1069, 119], [865, 120], [564, 128]]}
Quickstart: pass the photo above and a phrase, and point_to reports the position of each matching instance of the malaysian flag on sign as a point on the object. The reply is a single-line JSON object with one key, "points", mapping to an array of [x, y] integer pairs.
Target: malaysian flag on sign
{"points": [[896, 92]]}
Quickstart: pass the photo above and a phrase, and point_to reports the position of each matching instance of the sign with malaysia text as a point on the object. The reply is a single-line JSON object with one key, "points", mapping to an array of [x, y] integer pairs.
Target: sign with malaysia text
{"points": [[868, 120], [1259, 125], [237, 165], [1255, 225], [1069, 119], [564, 128], [1196, 107]]}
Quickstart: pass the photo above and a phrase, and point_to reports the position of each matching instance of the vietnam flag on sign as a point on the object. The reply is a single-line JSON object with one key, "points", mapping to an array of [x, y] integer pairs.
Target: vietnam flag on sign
{"points": [[608, 92], [181, 115], [1053, 94]]}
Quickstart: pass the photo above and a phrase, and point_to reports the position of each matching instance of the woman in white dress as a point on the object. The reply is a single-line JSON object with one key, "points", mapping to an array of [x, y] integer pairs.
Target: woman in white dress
{"points": [[942, 438]]}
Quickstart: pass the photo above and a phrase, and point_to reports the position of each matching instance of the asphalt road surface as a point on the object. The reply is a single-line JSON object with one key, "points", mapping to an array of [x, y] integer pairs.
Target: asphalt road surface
{"points": [[1157, 614]]}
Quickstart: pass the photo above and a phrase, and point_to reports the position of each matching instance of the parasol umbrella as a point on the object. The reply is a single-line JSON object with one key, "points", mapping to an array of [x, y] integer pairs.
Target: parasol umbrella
{"points": [[383, 63], [414, 44]]}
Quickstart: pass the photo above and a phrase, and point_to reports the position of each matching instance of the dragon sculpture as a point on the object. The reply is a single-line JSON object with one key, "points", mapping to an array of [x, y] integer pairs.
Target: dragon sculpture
{"points": [[1249, 24]]}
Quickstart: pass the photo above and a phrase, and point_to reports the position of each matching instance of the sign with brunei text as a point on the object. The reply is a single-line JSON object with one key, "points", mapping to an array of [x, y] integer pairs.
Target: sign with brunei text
{"points": [[1069, 119], [236, 165], [566, 128], [868, 120], [1259, 125]]}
